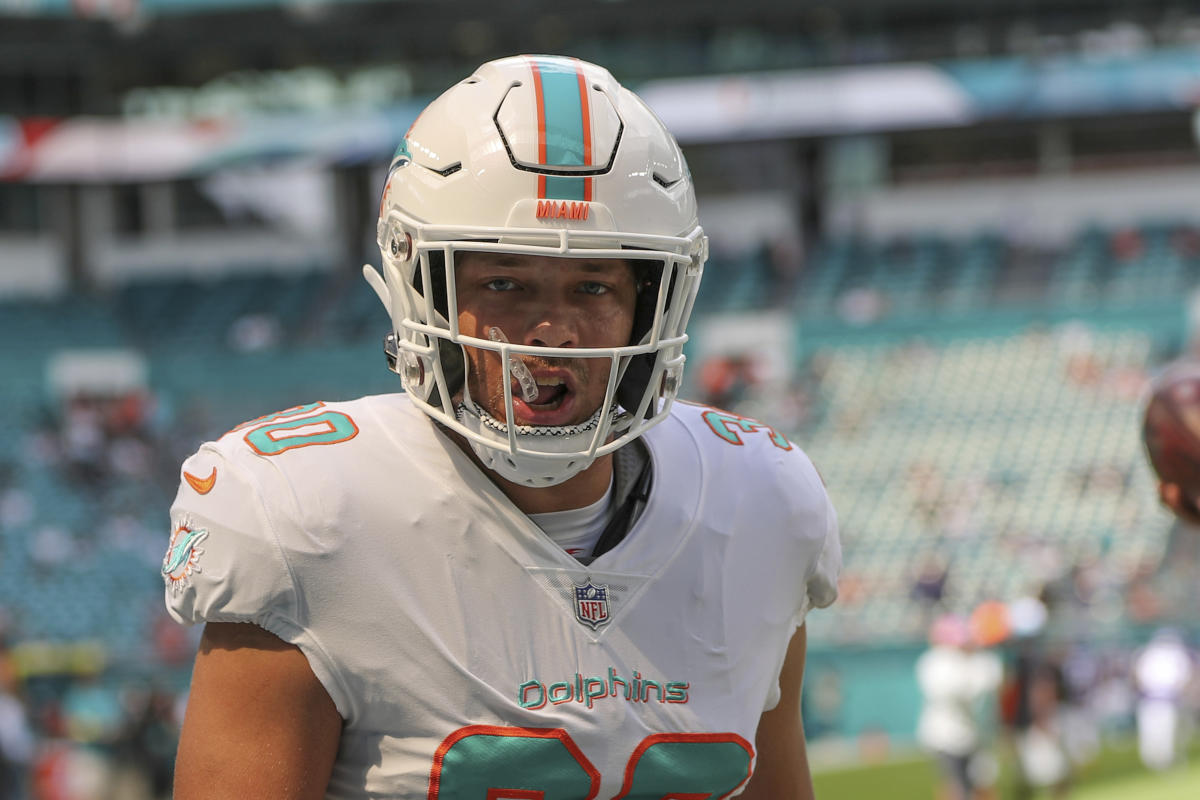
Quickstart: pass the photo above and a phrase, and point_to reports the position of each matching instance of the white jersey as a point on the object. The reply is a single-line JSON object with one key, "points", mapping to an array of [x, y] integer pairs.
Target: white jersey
{"points": [[466, 652]]}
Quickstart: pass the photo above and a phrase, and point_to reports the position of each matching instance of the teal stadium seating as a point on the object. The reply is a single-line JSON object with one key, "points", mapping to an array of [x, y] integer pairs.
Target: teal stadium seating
{"points": [[1012, 456]]}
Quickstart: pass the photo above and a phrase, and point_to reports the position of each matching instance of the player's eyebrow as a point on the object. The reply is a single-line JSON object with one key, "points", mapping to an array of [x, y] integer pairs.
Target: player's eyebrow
{"points": [[511, 261], [495, 261], [505, 260], [602, 265]]}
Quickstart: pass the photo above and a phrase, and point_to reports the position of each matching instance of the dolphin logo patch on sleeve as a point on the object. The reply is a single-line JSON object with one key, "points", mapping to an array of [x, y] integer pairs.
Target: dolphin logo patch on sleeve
{"points": [[183, 555]]}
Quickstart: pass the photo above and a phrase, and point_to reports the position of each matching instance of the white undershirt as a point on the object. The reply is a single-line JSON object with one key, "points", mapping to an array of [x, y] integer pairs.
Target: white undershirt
{"points": [[577, 530]]}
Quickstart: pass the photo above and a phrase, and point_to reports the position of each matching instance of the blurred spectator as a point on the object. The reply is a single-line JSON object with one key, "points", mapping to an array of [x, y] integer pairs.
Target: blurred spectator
{"points": [[783, 256], [1033, 707], [100, 741], [16, 736], [16, 507], [83, 442], [1162, 672], [51, 547], [1127, 244], [1027, 616], [1185, 242], [929, 586], [862, 306], [958, 681], [254, 332], [143, 751], [66, 771], [726, 380]]}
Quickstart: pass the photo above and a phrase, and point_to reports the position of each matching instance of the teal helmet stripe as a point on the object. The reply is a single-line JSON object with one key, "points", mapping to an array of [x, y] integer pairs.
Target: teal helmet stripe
{"points": [[565, 114], [564, 188]]}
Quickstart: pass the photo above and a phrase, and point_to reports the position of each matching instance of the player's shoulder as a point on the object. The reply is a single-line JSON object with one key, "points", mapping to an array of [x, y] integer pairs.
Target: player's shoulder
{"points": [[353, 425], [735, 449], [281, 453], [258, 501], [728, 437], [759, 484], [282, 480]]}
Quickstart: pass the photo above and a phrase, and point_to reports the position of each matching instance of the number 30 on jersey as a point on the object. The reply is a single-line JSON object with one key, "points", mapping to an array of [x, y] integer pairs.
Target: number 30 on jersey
{"points": [[302, 426]]}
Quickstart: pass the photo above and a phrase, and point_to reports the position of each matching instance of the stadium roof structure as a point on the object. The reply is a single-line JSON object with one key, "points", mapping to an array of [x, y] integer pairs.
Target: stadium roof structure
{"points": [[749, 106]]}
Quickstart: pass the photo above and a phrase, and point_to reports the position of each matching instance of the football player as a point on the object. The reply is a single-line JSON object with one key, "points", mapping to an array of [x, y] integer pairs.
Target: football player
{"points": [[532, 574]]}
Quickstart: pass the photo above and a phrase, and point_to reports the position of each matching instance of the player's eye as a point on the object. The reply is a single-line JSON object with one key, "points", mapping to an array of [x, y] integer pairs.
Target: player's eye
{"points": [[500, 284], [593, 287]]}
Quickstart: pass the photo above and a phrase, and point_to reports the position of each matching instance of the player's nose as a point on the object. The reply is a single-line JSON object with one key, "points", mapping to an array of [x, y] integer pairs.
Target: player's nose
{"points": [[558, 328]]}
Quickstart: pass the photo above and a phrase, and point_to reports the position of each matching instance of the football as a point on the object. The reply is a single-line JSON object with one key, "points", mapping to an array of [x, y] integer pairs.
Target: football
{"points": [[1171, 428]]}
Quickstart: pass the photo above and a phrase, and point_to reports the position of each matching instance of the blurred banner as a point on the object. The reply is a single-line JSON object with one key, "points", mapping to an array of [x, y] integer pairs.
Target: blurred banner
{"points": [[898, 96], [706, 109], [97, 149]]}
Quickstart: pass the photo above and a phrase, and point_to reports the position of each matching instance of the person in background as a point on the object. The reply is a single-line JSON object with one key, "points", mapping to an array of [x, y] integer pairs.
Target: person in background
{"points": [[1161, 672], [958, 682], [16, 735]]}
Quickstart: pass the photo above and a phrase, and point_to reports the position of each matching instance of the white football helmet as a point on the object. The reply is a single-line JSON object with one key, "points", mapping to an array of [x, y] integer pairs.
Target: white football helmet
{"points": [[550, 156]]}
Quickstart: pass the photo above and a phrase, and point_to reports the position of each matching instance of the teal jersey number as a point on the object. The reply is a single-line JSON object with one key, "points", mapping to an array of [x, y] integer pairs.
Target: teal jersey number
{"points": [[730, 426], [691, 765], [490, 762], [287, 430], [486, 762]]}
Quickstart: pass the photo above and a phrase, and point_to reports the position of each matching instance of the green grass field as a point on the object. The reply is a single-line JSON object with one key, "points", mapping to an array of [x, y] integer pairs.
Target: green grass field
{"points": [[1183, 784], [1115, 775]]}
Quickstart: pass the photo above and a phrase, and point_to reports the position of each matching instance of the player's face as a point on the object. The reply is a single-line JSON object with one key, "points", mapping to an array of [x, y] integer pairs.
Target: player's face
{"points": [[547, 302]]}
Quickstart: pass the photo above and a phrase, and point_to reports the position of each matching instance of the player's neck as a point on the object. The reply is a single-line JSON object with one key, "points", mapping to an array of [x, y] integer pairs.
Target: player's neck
{"points": [[577, 492]]}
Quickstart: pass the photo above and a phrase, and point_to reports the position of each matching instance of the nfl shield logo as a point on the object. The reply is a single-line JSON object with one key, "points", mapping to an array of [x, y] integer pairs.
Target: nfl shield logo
{"points": [[591, 604]]}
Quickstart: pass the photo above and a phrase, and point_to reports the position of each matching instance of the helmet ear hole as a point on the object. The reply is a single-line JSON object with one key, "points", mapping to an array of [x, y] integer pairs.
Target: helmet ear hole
{"points": [[454, 367], [437, 282], [632, 389], [633, 385], [648, 276]]}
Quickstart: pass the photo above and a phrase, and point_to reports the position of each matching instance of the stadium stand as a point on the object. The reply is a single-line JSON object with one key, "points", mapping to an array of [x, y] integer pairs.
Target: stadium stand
{"points": [[1015, 457], [1008, 434]]}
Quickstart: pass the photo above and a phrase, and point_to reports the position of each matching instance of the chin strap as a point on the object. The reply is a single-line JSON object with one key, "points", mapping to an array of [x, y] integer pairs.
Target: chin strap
{"points": [[490, 422]]}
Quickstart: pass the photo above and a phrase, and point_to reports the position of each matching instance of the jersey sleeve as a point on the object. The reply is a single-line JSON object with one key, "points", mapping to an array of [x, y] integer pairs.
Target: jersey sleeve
{"points": [[821, 584], [224, 562]]}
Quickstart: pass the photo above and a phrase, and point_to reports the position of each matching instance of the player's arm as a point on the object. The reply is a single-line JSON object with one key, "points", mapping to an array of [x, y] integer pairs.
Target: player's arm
{"points": [[781, 769], [1184, 507], [258, 722]]}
